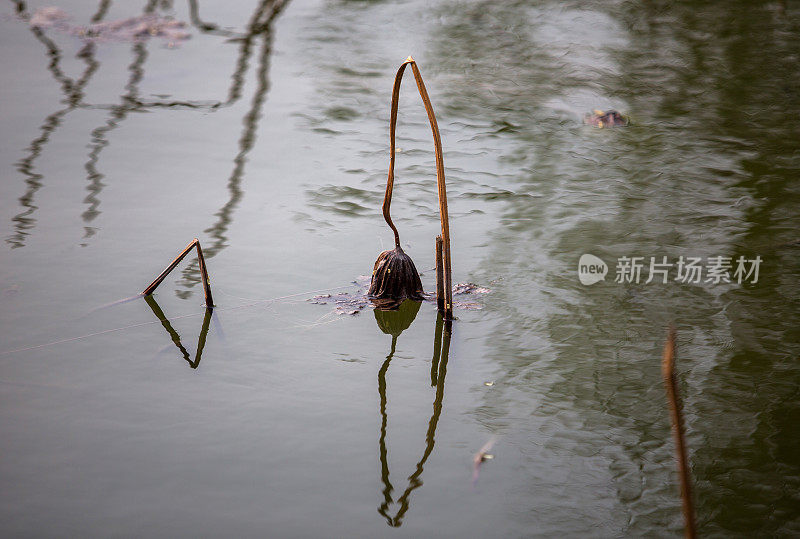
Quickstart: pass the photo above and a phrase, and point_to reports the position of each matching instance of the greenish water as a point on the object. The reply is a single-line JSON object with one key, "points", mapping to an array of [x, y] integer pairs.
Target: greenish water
{"points": [[267, 138]]}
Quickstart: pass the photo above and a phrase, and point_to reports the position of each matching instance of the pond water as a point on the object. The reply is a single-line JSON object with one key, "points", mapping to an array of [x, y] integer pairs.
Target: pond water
{"points": [[265, 136]]}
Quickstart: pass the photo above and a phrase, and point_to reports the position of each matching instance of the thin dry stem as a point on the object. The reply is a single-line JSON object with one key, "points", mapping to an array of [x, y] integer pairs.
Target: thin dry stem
{"points": [[670, 381], [195, 243], [440, 179], [440, 298]]}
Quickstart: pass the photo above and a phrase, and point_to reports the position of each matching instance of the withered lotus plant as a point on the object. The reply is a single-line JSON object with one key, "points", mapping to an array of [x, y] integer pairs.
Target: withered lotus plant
{"points": [[394, 277], [194, 244]]}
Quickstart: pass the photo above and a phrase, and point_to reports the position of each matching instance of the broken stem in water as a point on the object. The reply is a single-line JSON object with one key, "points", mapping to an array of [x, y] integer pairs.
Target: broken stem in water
{"points": [[670, 382], [440, 299], [195, 243], [440, 180]]}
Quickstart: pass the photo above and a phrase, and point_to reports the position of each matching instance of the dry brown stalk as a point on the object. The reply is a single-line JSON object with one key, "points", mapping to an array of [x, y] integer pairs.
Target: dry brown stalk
{"points": [[195, 243], [440, 179], [440, 299], [670, 382]]}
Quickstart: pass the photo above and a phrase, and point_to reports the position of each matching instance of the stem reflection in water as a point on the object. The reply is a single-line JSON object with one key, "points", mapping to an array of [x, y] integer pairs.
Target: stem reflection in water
{"points": [[201, 341], [394, 323]]}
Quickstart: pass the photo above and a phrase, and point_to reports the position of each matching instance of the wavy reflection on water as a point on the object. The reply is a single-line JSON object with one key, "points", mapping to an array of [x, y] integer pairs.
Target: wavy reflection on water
{"points": [[705, 171], [73, 92], [394, 323], [99, 135], [259, 27]]}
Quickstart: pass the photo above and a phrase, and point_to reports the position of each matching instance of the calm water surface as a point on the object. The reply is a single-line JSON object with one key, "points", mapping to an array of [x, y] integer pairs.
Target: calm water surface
{"points": [[265, 136]]}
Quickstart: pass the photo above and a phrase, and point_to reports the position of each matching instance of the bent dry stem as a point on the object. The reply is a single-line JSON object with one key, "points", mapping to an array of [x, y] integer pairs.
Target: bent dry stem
{"points": [[676, 416], [445, 300], [203, 272]]}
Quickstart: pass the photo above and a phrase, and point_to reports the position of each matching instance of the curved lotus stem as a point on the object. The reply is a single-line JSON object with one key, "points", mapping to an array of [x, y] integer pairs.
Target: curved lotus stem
{"points": [[437, 141]]}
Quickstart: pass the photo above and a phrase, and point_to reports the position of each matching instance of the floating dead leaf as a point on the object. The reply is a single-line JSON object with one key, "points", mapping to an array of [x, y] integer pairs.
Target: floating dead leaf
{"points": [[469, 288], [609, 118]]}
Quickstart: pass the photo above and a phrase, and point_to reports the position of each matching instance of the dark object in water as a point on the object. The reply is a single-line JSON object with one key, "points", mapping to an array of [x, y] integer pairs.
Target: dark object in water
{"points": [[201, 340], [397, 321], [480, 457], [394, 277], [609, 118]]}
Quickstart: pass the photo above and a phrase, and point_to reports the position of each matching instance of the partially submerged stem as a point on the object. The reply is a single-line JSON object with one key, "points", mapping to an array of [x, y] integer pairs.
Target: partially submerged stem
{"points": [[204, 276], [676, 416], [440, 180], [195, 243], [440, 298]]}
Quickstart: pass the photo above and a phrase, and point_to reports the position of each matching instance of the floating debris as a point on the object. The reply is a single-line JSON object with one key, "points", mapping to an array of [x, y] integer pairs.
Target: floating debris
{"points": [[351, 303], [468, 305], [480, 457], [469, 288], [609, 118], [347, 303], [131, 29], [489, 384], [49, 17]]}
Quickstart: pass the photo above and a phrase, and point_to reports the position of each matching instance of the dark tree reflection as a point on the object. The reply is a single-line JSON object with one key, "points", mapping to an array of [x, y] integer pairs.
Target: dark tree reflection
{"points": [[258, 28], [73, 91]]}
